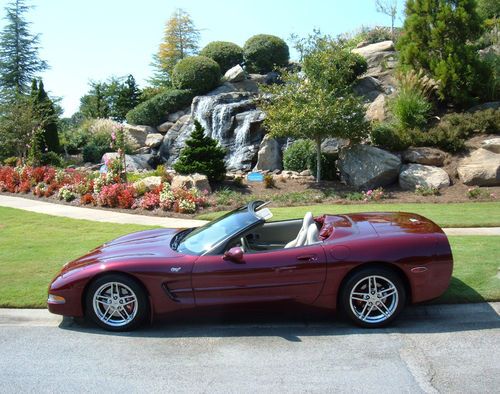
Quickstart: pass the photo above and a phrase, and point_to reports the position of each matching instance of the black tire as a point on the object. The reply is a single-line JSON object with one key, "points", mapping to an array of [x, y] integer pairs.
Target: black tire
{"points": [[382, 306], [127, 301]]}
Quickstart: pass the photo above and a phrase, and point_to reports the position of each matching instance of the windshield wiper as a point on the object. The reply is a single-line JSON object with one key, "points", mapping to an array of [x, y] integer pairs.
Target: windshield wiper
{"points": [[176, 240]]}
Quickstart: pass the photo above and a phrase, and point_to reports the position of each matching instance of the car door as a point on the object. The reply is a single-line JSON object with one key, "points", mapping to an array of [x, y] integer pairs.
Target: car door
{"points": [[294, 274]]}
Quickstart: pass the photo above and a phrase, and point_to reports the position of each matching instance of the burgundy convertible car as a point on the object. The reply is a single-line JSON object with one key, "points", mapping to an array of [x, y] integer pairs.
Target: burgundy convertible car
{"points": [[368, 264]]}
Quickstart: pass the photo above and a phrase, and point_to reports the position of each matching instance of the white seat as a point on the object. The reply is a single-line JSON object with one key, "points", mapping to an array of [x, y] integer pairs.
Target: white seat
{"points": [[312, 235], [301, 237]]}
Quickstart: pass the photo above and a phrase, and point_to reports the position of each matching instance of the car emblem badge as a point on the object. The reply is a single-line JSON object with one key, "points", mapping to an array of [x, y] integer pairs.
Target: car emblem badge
{"points": [[175, 269]]}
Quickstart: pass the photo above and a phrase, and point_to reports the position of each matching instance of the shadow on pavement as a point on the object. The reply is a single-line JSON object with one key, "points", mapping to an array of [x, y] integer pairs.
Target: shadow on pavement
{"points": [[302, 322]]}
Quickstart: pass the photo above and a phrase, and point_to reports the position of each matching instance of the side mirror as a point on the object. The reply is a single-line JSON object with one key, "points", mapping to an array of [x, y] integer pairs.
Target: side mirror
{"points": [[234, 254]]}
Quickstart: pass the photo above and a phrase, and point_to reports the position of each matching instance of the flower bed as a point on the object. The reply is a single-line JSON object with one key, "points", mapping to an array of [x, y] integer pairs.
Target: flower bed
{"points": [[93, 188]]}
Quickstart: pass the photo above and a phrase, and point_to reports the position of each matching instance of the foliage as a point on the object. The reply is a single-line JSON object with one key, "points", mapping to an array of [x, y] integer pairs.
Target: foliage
{"points": [[476, 193], [226, 54], [114, 98], [154, 111], [201, 155], [263, 52], [66, 193], [425, 191], [418, 81], [197, 73], [390, 136], [389, 8], [488, 9], [18, 121], [19, 60], [52, 159], [11, 161], [410, 109], [320, 103], [374, 194], [37, 146], [297, 156], [437, 36], [46, 114], [180, 41], [116, 195]]}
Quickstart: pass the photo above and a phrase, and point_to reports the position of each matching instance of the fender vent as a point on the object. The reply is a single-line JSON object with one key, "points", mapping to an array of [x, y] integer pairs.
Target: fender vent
{"points": [[169, 293]]}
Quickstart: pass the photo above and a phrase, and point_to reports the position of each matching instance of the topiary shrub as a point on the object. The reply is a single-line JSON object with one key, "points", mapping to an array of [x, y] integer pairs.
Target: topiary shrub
{"points": [[301, 155], [226, 54], [202, 155], [197, 73], [155, 110], [263, 52]]}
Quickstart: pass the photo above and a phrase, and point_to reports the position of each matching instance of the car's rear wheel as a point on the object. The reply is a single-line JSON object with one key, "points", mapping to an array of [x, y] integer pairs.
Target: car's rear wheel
{"points": [[116, 303], [373, 297]]}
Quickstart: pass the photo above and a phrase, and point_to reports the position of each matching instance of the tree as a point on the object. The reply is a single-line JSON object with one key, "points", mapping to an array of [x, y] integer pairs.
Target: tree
{"points": [[180, 40], [95, 104], [19, 60], [488, 9], [389, 8], [202, 155], [122, 96], [437, 38], [47, 116], [318, 102]]}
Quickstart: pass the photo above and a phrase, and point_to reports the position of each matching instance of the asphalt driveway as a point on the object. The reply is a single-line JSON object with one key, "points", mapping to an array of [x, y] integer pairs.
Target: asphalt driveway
{"points": [[444, 348]]}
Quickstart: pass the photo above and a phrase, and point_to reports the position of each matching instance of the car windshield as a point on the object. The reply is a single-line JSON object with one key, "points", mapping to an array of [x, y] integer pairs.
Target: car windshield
{"points": [[203, 239]]}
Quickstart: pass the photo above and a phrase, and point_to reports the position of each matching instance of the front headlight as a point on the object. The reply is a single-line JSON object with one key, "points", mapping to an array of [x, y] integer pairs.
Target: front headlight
{"points": [[55, 299]]}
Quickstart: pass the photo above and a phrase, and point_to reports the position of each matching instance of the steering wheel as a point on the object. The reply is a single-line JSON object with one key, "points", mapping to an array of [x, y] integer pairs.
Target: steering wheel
{"points": [[244, 244]]}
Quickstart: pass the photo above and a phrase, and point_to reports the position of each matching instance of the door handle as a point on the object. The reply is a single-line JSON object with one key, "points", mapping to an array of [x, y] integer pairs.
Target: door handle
{"points": [[308, 257]]}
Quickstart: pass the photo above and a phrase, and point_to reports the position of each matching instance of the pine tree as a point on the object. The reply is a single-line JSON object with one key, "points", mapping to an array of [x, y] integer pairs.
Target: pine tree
{"points": [[201, 155], [436, 38], [95, 103], [19, 60], [44, 107], [125, 99], [180, 40]]}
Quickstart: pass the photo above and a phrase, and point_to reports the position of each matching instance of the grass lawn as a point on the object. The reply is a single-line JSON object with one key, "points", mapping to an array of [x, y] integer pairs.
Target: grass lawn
{"points": [[33, 247], [473, 214]]}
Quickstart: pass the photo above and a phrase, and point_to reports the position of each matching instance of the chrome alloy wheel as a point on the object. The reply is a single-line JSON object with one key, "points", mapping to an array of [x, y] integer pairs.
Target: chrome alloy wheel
{"points": [[115, 304], [374, 299]]}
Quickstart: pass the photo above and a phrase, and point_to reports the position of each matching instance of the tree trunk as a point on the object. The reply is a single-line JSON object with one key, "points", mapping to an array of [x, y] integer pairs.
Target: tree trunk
{"points": [[318, 159]]}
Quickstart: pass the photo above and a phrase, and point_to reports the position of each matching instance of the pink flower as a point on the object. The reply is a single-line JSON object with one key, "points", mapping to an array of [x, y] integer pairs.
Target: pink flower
{"points": [[369, 192], [113, 136]]}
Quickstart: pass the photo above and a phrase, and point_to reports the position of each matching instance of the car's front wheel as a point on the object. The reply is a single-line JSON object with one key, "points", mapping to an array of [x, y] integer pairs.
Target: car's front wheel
{"points": [[116, 303], [373, 297]]}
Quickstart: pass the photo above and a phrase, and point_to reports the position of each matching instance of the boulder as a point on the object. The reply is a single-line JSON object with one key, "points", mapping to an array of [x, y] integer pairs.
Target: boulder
{"points": [[492, 144], [197, 181], [164, 127], [153, 140], [132, 162], [424, 155], [149, 182], [367, 50], [305, 173], [332, 146], [269, 155], [480, 168], [368, 167], [235, 74], [138, 134], [427, 176], [368, 87], [376, 109], [489, 105], [174, 117]]}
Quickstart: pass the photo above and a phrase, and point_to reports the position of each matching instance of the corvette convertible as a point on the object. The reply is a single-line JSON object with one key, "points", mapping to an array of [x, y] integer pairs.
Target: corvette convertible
{"points": [[369, 265]]}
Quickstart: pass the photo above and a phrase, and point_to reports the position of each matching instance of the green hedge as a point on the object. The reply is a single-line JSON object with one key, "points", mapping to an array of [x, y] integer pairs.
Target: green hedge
{"points": [[263, 52], [226, 54], [155, 110], [301, 155], [197, 73]]}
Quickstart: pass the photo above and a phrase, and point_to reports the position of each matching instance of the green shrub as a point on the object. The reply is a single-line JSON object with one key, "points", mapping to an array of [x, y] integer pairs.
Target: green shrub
{"points": [[301, 155], [410, 108], [52, 159], [197, 73], [154, 111], [454, 129], [269, 181], [93, 153], [263, 52], [390, 136], [202, 155], [226, 54]]}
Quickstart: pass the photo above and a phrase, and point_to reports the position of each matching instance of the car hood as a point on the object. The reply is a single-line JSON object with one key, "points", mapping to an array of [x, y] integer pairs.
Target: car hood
{"points": [[143, 244]]}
